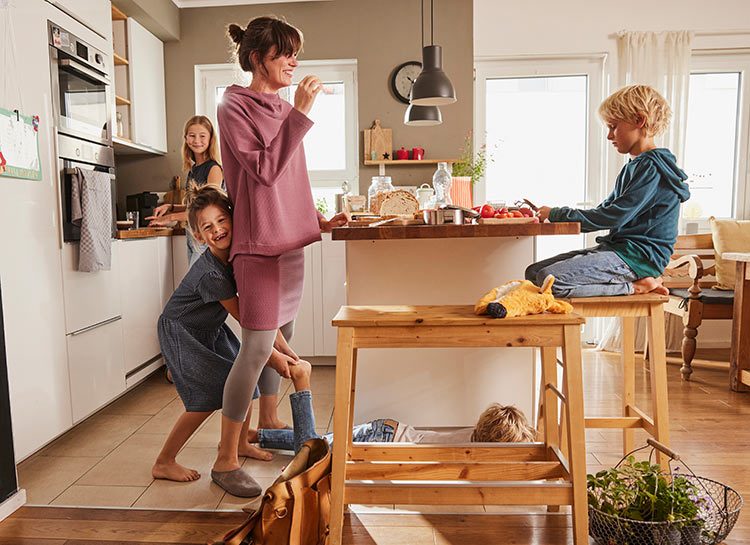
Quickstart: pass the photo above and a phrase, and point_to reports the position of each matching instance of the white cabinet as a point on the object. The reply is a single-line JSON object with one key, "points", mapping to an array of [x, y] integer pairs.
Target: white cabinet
{"points": [[141, 297], [180, 262], [95, 360], [147, 95], [90, 297], [95, 14], [324, 294], [165, 268]]}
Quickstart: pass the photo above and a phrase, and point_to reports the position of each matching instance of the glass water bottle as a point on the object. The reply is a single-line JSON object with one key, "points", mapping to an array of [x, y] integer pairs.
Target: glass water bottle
{"points": [[441, 181]]}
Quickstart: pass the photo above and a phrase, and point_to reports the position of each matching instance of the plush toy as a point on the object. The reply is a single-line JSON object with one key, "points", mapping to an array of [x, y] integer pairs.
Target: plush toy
{"points": [[521, 298]]}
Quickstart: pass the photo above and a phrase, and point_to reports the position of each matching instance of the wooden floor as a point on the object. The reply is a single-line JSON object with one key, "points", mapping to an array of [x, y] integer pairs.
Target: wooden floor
{"points": [[709, 428]]}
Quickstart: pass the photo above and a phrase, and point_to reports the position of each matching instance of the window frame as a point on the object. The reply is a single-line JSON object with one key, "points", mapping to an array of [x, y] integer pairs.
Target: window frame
{"points": [[733, 61], [590, 65], [207, 76]]}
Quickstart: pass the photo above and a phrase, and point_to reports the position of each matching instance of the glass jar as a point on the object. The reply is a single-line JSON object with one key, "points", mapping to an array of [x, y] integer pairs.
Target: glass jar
{"points": [[379, 185], [441, 181]]}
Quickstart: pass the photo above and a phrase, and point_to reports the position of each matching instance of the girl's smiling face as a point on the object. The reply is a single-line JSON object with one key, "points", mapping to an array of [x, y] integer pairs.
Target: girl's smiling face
{"points": [[198, 139], [215, 229]]}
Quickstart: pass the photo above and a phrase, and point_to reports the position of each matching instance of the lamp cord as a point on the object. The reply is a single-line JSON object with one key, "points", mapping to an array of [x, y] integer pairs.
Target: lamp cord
{"points": [[432, 25], [421, 15]]}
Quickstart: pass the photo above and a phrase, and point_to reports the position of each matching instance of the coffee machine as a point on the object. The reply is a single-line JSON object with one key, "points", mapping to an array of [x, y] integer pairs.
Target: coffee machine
{"points": [[143, 203]]}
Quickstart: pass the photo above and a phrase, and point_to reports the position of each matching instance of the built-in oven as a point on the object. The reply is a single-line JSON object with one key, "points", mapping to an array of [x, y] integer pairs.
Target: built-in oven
{"points": [[81, 87], [74, 153]]}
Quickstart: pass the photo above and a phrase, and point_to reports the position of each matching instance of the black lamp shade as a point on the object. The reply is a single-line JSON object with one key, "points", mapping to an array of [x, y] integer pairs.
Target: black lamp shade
{"points": [[422, 116], [432, 87]]}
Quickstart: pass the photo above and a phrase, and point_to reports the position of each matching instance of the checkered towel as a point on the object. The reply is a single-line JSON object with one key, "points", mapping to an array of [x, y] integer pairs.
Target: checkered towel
{"points": [[91, 208]]}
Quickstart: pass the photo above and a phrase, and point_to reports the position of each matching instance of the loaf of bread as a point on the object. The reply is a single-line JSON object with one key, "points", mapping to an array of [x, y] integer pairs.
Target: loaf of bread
{"points": [[398, 203]]}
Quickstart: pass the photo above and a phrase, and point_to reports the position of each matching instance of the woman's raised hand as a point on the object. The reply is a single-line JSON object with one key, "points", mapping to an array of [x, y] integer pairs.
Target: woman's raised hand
{"points": [[306, 92]]}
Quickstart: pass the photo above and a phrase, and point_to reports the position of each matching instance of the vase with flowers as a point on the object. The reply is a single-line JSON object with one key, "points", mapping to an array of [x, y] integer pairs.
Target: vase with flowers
{"points": [[467, 170]]}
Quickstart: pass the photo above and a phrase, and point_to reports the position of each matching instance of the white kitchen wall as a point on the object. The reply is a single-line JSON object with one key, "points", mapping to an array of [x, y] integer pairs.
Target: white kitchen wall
{"points": [[30, 266], [552, 27]]}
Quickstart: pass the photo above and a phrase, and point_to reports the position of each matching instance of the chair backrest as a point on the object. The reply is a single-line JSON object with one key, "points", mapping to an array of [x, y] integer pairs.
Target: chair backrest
{"points": [[701, 245]]}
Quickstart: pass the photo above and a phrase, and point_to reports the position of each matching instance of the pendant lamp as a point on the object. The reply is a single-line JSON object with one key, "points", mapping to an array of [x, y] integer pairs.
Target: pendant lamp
{"points": [[432, 87], [422, 116]]}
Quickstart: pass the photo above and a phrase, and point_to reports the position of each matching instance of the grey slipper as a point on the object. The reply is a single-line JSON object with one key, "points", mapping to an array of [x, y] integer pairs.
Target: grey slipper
{"points": [[237, 482]]}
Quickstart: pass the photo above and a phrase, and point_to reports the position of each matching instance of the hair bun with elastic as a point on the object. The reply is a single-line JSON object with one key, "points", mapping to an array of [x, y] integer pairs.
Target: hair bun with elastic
{"points": [[236, 33]]}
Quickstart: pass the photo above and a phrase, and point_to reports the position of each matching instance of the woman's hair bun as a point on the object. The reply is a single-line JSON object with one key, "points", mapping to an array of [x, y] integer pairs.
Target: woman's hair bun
{"points": [[236, 33]]}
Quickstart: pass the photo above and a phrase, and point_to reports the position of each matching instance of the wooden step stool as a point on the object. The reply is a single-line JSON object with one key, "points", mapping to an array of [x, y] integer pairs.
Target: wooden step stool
{"points": [[628, 308], [482, 473]]}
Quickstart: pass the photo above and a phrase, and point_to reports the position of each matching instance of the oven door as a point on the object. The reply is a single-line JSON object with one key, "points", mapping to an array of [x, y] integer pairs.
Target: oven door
{"points": [[81, 98]]}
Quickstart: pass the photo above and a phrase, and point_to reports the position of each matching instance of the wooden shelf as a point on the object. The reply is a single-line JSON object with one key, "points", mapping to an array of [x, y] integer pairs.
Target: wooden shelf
{"points": [[119, 101], [120, 61], [124, 146], [117, 15], [408, 161]]}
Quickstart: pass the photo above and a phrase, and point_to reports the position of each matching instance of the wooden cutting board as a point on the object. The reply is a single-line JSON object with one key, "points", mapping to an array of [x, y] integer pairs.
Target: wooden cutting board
{"points": [[144, 232], [378, 140], [498, 221]]}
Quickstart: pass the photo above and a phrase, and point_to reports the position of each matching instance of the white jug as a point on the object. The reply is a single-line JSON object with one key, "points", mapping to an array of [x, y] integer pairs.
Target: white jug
{"points": [[424, 194]]}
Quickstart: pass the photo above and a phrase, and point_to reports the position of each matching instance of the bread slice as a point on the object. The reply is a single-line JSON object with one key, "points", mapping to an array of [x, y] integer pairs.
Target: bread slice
{"points": [[398, 203]]}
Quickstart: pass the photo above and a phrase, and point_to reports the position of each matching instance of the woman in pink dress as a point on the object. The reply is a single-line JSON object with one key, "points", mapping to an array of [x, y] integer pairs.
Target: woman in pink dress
{"points": [[274, 215]]}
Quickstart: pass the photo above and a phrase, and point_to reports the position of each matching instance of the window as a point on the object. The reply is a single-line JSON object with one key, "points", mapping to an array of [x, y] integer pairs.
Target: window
{"points": [[332, 143], [716, 134], [537, 118]]}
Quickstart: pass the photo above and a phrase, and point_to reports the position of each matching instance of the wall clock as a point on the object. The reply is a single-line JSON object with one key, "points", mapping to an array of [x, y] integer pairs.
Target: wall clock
{"points": [[403, 77]]}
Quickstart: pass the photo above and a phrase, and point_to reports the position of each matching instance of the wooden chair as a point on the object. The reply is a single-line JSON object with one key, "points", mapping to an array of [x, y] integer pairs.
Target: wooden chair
{"points": [[471, 473], [690, 277]]}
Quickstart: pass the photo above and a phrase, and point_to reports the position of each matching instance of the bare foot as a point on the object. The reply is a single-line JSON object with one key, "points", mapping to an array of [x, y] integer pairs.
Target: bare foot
{"points": [[174, 472], [255, 452], [273, 425], [650, 285]]}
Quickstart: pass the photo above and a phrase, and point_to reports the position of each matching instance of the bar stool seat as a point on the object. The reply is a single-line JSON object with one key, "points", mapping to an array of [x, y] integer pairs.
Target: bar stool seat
{"points": [[472, 473]]}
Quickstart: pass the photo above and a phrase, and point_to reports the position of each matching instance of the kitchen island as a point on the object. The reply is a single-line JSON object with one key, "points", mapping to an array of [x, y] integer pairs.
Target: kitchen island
{"points": [[439, 265]]}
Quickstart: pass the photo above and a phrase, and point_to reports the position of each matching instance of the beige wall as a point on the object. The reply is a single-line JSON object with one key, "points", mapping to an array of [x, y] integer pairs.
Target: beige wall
{"points": [[379, 34]]}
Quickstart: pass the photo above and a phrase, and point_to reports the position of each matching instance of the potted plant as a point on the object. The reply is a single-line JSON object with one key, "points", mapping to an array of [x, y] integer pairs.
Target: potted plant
{"points": [[626, 499], [467, 170]]}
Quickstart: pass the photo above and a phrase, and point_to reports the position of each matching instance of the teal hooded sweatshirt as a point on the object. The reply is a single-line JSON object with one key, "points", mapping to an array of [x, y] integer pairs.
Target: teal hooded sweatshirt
{"points": [[641, 213]]}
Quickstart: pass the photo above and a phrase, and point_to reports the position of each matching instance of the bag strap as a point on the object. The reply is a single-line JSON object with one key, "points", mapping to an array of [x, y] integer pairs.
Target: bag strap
{"points": [[324, 506], [238, 535]]}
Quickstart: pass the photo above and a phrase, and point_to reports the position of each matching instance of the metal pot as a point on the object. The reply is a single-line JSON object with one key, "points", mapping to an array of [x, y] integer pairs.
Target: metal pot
{"points": [[432, 216]]}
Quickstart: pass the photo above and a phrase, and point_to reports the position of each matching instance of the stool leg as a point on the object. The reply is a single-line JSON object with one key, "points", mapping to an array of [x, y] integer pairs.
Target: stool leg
{"points": [[659, 394], [573, 383], [342, 429], [628, 378], [548, 403]]}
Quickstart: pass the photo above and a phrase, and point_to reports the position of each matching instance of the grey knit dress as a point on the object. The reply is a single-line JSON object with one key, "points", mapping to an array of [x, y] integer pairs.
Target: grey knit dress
{"points": [[197, 345]]}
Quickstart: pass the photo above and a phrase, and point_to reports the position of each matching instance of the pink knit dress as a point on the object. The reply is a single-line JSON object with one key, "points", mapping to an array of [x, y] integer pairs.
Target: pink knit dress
{"points": [[274, 216]]}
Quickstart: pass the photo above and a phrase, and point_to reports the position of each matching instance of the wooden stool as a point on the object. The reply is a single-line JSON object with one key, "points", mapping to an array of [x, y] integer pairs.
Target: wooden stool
{"points": [[628, 308], [485, 473]]}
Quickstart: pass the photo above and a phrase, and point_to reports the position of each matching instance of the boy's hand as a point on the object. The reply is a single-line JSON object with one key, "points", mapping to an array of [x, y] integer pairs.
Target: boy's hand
{"points": [[544, 213], [280, 363]]}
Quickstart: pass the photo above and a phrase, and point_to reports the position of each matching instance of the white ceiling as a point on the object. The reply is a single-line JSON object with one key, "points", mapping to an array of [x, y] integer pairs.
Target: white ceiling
{"points": [[218, 3]]}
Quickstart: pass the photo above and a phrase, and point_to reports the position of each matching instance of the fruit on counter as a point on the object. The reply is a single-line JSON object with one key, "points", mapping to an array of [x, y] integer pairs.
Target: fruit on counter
{"points": [[487, 211], [502, 215], [516, 214], [527, 212]]}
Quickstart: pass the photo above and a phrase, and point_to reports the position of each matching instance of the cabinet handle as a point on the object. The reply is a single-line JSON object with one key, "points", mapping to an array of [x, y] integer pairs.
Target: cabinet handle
{"points": [[100, 324]]}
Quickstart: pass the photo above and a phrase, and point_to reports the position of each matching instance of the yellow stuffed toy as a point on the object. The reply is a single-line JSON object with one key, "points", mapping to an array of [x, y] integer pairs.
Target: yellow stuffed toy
{"points": [[521, 298]]}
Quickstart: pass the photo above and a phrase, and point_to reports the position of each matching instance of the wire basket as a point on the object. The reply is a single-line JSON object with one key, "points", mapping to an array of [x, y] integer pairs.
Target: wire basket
{"points": [[719, 509]]}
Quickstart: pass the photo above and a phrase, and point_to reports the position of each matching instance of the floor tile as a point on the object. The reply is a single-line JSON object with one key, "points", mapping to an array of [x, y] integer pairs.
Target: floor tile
{"points": [[163, 420], [271, 469], [99, 496], [148, 398], [200, 494], [97, 436], [233, 503], [129, 464], [45, 477], [322, 409]]}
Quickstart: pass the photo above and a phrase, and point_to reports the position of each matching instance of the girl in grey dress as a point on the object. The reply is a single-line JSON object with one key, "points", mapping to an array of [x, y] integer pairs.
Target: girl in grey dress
{"points": [[197, 345]]}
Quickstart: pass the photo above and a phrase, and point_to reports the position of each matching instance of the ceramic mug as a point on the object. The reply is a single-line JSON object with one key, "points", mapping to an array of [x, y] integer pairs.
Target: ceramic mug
{"points": [[424, 194], [417, 154]]}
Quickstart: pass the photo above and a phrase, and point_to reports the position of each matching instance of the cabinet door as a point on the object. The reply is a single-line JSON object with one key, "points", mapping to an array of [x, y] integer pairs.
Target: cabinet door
{"points": [[148, 117], [95, 360], [141, 297], [166, 274], [333, 292], [179, 259], [95, 14], [90, 298], [304, 326]]}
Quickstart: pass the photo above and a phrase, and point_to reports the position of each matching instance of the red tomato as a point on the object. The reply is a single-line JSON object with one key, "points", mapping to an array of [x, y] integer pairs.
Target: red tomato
{"points": [[528, 212], [487, 211]]}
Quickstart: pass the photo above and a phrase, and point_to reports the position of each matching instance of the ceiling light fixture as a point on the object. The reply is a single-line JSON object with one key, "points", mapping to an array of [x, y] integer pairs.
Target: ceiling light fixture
{"points": [[432, 87]]}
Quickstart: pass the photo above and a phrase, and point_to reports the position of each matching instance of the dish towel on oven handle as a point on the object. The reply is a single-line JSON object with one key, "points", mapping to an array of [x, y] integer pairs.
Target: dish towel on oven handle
{"points": [[91, 209]]}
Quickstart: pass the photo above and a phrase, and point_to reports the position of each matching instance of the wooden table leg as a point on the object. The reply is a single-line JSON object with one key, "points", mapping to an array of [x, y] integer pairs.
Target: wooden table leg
{"points": [[550, 405], [342, 429], [659, 392], [628, 378], [576, 431], [740, 356]]}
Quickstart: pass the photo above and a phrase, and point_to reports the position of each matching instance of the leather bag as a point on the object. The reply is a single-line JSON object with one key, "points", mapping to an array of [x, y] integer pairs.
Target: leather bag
{"points": [[295, 510]]}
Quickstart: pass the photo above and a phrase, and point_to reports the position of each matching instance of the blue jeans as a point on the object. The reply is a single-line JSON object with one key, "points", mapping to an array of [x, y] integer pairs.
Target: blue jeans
{"points": [[303, 420], [590, 272]]}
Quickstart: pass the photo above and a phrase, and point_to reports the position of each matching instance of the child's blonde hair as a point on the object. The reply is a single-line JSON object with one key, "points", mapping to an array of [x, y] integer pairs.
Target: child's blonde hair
{"points": [[502, 424], [636, 102], [188, 157], [198, 198]]}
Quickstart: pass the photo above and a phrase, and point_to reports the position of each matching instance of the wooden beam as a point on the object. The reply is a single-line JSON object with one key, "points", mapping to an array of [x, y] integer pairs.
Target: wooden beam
{"points": [[118, 15], [454, 471], [471, 452], [624, 422]]}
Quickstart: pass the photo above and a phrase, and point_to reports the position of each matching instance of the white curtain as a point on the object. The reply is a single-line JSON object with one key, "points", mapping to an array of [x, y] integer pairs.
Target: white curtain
{"points": [[661, 60]]}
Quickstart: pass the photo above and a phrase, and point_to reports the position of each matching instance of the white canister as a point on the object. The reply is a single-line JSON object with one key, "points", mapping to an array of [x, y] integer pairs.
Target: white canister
{"points": [[424, 194]]}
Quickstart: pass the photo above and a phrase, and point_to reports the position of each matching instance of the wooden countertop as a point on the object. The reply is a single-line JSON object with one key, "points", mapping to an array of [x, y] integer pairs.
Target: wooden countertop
{"points": [[398, 232], [149, 232]]}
